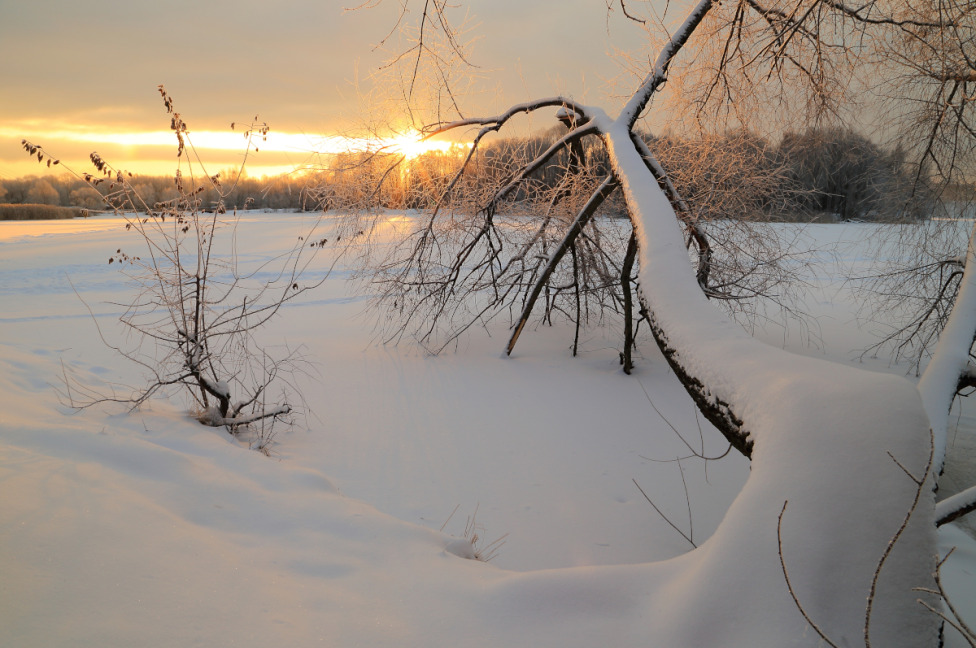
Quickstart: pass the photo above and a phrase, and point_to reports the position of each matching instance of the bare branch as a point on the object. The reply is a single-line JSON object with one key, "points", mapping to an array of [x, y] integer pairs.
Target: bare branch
{"points": [[789, 585], [665, 517]]}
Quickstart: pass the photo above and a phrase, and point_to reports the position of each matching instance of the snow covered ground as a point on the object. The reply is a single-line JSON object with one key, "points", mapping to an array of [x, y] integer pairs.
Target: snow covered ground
{"points": [[145, 528]]}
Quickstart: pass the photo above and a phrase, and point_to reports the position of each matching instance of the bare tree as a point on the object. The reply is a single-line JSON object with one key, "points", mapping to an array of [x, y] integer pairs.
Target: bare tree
{"points": [[460, 267], [496, 241], [193, 320], [772, 406], [930, 52]]}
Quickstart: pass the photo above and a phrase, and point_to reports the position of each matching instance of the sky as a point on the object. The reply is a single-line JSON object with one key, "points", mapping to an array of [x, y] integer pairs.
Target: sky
{"points": [[80, 77]]}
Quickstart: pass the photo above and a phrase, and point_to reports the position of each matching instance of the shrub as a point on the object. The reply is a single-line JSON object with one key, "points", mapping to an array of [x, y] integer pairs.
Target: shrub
{"points": [[39, 212]]}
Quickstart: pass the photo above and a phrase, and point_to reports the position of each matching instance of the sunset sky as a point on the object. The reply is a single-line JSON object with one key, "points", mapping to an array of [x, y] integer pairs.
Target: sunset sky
{"points": [[78, 77]]}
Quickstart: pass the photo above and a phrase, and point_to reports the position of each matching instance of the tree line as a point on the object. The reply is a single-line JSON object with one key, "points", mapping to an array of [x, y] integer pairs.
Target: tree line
{"points": [[826, 173], [285, 192]]}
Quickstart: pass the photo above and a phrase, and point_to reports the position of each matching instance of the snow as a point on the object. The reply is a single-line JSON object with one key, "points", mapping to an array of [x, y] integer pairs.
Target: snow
{"points": [[820, 433], [950, 360], [148, 529]]}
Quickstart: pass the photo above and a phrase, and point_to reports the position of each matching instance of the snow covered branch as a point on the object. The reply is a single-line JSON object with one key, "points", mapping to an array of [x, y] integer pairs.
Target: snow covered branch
{"points": [[950, 364], [953, 508], [233, 422], [658, 75], [494, 124]]}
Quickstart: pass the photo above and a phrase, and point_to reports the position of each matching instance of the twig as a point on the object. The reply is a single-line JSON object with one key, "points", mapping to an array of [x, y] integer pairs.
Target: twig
{"points": [[789, 585], [680, 532]]}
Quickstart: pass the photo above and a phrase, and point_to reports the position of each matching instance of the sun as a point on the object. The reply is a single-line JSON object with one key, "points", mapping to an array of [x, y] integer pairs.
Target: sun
{"points": [[412, 145]]}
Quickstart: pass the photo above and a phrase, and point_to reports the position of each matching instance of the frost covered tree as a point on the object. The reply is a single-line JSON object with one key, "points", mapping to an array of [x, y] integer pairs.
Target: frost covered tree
{"points": [[43, 193], [832, 539]]}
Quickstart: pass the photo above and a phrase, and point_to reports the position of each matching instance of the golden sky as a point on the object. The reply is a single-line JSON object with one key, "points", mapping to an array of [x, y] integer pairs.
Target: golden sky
{"points": [[78, 77]]}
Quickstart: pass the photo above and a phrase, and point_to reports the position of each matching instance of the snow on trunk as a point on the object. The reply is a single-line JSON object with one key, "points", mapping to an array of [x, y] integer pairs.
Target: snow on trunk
{"points": [[835, 443], [950, 361]]}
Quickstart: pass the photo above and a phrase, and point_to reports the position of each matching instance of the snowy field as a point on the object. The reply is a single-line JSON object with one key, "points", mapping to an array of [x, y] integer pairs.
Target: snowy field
{"points": [[147, 529]]}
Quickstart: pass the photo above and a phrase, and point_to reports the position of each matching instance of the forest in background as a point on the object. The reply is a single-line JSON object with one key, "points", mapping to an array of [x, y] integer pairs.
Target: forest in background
{"points": [[819, 174]]}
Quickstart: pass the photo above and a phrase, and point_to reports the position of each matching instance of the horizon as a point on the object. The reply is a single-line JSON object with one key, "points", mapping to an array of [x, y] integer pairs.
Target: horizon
{"points": [[243, 149]]}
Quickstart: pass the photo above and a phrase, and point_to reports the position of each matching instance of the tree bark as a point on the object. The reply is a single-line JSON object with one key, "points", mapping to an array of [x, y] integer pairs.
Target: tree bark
{"points": [[626, 277]]}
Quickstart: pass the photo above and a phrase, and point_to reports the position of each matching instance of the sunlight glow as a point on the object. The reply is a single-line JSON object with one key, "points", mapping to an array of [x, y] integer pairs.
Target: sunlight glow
{"points": [[208, 140], [290, 151], [412, 145]]}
